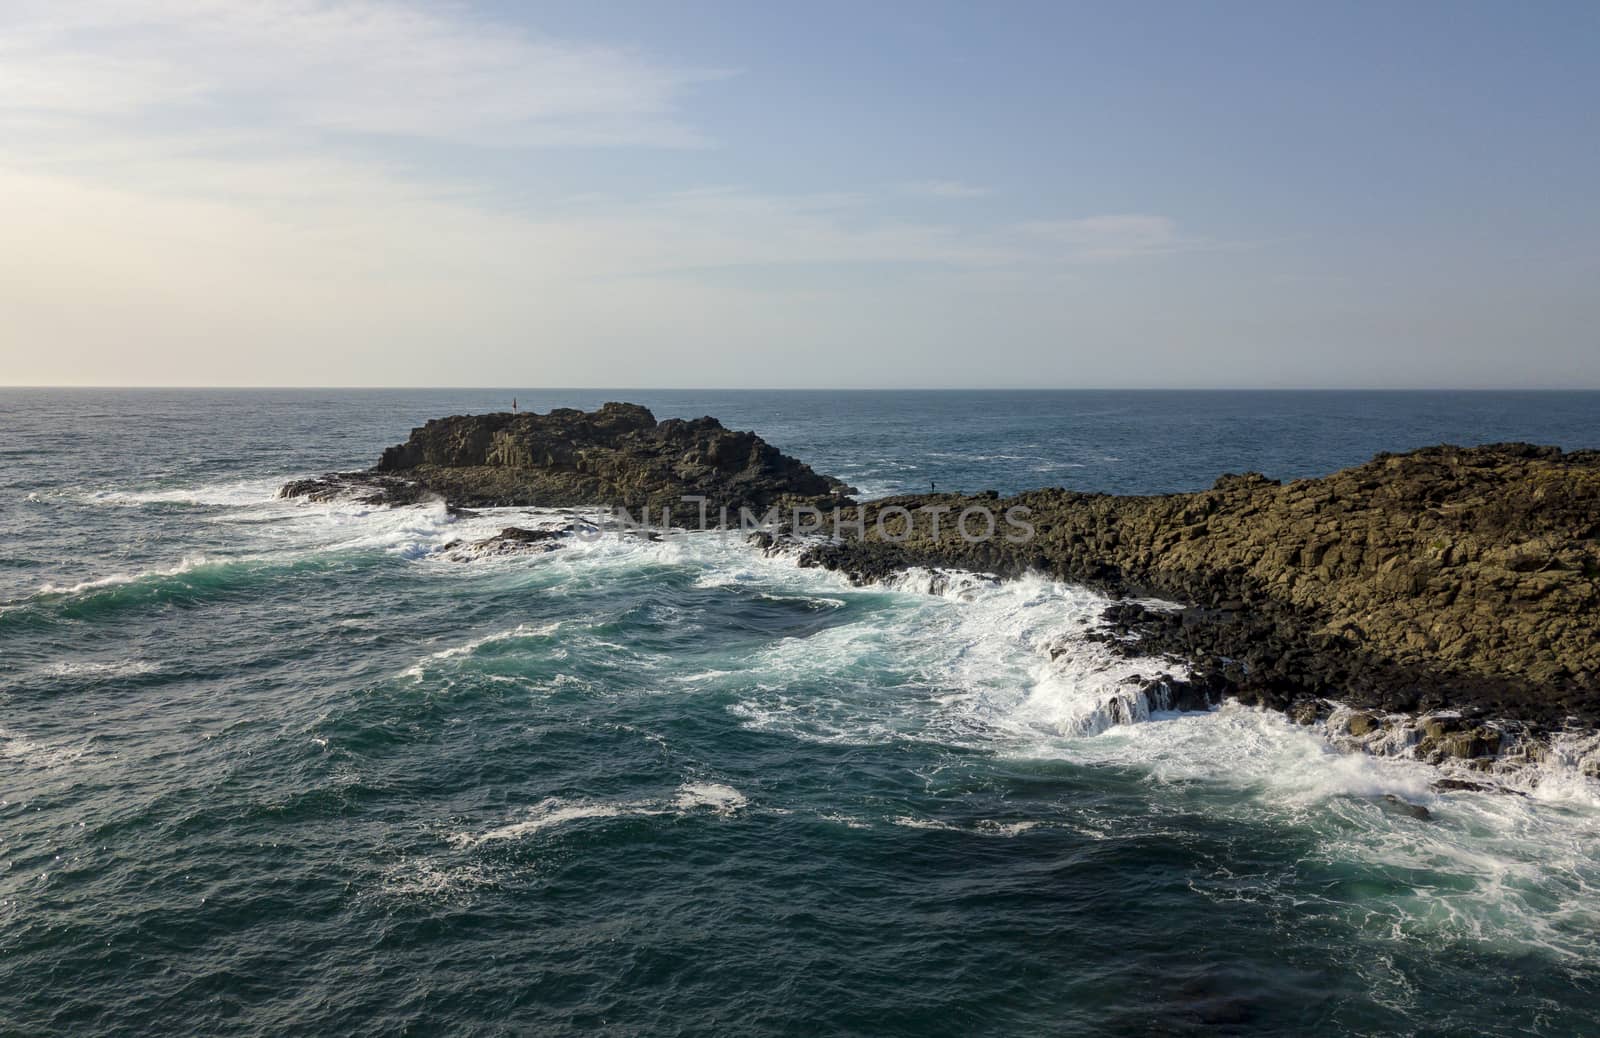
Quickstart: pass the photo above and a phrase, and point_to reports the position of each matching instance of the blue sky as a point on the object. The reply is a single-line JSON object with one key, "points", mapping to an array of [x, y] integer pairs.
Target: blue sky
{"points": [[311, 193]]}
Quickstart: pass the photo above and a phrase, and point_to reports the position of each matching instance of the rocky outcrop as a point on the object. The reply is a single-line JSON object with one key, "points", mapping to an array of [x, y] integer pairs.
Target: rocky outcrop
{"points": [[1458, 586], [513, 540], [365, 487], [1445, 577], [617, 456]]}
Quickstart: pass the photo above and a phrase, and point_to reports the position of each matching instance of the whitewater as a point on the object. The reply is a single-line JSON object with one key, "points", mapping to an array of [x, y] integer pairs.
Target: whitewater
{"points": [[276, 765]]}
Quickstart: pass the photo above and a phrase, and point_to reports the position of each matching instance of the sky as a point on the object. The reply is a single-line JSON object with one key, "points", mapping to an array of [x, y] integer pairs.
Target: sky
{"points": [[817, 195]]}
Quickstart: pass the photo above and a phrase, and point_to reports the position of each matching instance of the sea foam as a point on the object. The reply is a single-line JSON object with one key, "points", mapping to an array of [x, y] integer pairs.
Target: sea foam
{"points": [[554, 812]]}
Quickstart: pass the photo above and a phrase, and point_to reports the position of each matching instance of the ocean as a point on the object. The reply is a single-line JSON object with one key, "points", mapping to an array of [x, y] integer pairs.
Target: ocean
{"points": [[280, 767]]}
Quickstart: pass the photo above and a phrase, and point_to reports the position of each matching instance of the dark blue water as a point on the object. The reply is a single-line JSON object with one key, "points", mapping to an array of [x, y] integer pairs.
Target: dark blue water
{"points": [[279, 767]]}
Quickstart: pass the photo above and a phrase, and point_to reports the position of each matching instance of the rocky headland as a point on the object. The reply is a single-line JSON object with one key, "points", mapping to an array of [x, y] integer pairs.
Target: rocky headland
{"points": [[618, 456], [1445, 601], [1459, 585]]}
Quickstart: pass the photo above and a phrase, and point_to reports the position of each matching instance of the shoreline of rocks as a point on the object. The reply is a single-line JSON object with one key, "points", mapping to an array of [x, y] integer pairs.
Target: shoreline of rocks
{"points": [[1457, 586]]}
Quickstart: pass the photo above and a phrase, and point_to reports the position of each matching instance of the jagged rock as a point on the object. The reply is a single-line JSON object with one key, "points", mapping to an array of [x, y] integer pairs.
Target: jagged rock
{"points": [[1451, 785], [1453, 577], [1308, 711], [512, 540], [1199, 692], [1447, 577], [516, 538], [1479, 742], [521, 535], [1361, 724], [362, 487], [616, 457], [1395, 805], [1437, 726]]}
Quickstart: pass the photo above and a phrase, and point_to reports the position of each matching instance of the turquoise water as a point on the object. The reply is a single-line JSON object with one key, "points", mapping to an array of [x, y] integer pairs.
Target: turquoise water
{"points": [[275, 767]]}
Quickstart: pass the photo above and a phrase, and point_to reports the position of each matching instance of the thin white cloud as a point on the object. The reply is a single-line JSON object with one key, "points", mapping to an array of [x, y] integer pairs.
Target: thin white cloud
{"points": [[358, 66], [169, 162], [218, 101], [1116, 236], [945, 189]]}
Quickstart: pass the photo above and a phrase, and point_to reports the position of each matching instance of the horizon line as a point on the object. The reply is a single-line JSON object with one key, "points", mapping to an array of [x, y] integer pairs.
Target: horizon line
{"points": [[818, 389]]}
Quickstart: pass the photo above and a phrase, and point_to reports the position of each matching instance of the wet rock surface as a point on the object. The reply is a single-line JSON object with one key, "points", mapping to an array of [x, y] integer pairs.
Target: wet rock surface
{"points": [[513, 540], [1445, 577]]}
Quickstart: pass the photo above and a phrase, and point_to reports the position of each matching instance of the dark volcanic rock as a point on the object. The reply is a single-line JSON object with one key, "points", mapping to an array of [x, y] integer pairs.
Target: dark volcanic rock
{"points": [[617, 456], [1459, 578], [516, 539], [366, 487], [1395, 805], [1444, 577]]}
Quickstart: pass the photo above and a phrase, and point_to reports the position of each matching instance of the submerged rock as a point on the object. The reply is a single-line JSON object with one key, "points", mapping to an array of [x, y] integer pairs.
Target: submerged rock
{"points": [[1455, 785], [518, 539], [362, 487], [513, 540], [1395, 805]]}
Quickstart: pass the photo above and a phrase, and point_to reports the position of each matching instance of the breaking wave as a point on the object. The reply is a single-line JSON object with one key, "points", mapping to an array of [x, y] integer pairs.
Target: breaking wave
{"points": [[967, 675]]}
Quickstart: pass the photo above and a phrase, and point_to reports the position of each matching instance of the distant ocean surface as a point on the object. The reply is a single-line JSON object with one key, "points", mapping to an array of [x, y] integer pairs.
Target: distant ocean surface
{"points": [[278, 767]]}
